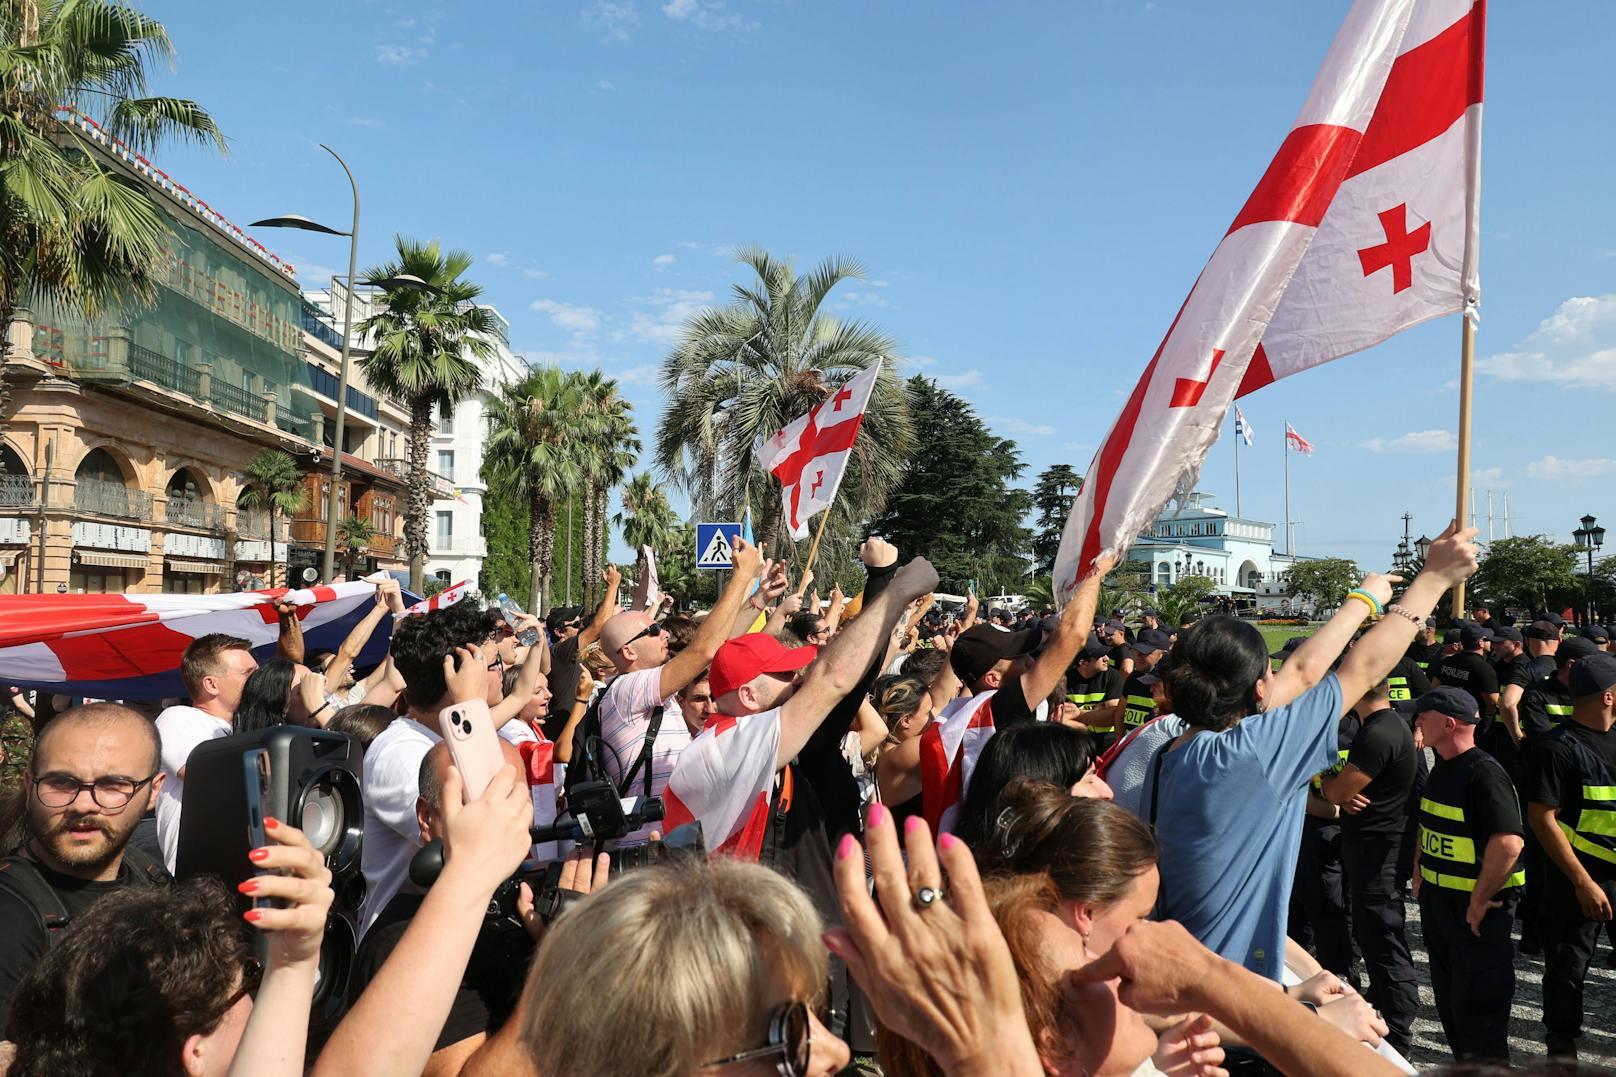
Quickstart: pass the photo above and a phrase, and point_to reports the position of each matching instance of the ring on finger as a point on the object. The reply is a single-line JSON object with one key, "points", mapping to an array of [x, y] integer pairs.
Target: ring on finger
{"points": [[927, 896]]}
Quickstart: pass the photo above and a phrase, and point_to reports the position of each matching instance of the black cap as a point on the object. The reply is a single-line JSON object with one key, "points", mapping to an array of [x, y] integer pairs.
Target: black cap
{"points": [[1288, 646], [1511, 634], [1542, 629], [1597, 633], [1471, 635], [1456, 703], [1092, 650], [1151, 639], [1553, 618], [1114, 625], [981, 647], [1148, 612], [560, 615], [1452, 635], [1574, 648], [1592, 675], [1148, 679]]}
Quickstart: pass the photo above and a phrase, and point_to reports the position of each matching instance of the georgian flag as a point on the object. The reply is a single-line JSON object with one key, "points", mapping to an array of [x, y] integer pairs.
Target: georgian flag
{"points": [[723, 778], [545, 777], [442, 600], [1242, 428], [810, 455], [950, 745], [1389, 71], [1297, 441], [129, 646]]}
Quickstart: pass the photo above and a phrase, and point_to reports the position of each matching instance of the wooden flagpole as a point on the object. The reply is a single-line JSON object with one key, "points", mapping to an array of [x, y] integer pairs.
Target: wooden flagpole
{"points": [[813, 547], [1467, 360]]}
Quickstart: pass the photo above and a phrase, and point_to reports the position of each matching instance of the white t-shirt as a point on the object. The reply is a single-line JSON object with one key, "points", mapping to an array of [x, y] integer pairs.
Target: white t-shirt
{"points": [[181, 729], [625, 717], [518, 732], [1129, 774], [392, 783]]}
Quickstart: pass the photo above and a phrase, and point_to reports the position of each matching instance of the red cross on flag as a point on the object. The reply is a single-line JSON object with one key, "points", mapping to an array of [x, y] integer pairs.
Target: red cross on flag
{"points": [[810, 455], [1375, 117]]}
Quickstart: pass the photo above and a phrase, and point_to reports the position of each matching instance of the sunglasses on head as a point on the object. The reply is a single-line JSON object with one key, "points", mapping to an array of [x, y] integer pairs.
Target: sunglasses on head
{"points": [[790, 1043]]}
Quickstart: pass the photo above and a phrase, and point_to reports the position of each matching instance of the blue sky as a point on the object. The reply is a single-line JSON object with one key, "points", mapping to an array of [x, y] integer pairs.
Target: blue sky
{"points": [[1032, 188]]}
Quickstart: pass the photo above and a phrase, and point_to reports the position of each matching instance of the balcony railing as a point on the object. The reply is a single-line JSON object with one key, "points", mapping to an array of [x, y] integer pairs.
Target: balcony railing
{"points": [[17, 492], [190, 512], [232, 398], [439, 487], [112, 499], [169, 373], [254, 524]]}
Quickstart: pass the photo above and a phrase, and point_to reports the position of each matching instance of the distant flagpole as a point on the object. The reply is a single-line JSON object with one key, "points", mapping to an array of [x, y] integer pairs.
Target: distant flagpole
{"points": [[1290, 539], [1237, 441]]}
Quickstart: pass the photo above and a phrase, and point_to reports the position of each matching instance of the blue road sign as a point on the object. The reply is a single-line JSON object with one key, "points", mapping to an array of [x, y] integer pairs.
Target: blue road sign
{"points": [[713, 544]]}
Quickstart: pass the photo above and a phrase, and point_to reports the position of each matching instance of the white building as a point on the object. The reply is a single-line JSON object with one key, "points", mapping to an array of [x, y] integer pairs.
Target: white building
{"points": [[455, 545], [1236, 554]]}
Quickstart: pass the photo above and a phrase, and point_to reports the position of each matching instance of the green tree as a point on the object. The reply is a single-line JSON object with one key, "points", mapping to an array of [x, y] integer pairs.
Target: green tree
{"points": [[273, 482], [740, 373], [536, 441], [1325, 581], [1531, 570], [1052, 496], [614, 443], [1181, 600], [647, 519], [954, 502], [425, 352], [353, 535], [73, 232], [506, 567]]}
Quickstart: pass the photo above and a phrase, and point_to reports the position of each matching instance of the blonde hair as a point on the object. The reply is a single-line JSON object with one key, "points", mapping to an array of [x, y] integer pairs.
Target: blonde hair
{"points": [[669, 968], [597, 662]]}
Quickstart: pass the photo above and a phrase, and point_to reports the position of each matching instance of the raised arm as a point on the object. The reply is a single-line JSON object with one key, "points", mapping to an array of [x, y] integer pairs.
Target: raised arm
{"points": [[388, 597], [289, 644], [773, 586], [1076, 621], [845, 661], [833, 613], [687, 664], [603, 612]]}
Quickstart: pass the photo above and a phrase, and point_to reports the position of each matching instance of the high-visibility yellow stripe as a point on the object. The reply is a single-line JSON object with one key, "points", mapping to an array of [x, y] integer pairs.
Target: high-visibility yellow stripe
{"points": [[1559, 710], [1441, 811], [1599, 792], [1597, 821], [1081, 698], [1459, 882], [1450, 847], [1583, 845]]}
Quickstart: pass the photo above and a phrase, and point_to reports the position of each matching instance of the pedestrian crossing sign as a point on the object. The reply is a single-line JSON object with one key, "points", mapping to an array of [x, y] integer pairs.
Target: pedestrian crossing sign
{"points": [[713, 544]]}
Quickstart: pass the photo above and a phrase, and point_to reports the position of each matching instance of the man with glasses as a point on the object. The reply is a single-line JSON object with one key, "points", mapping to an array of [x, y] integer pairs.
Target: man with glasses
{"points": [[96, 769]]}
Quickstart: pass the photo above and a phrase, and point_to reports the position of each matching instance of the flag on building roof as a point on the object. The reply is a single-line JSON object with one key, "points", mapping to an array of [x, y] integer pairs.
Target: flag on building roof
{"points": [[1384, 97], [810, 455], [1297, 441]]}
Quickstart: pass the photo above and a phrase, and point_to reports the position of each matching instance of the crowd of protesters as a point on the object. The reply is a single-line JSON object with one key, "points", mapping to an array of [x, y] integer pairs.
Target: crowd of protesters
{"points": [[925, 842]]}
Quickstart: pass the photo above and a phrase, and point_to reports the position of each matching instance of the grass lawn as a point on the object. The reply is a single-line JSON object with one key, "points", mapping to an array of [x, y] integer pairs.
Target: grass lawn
{"points": [[1276, 635]]}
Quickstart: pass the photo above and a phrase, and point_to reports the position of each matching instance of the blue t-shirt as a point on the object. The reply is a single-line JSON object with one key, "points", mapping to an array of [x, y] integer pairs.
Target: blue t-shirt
{"points": [[1229, 825]]}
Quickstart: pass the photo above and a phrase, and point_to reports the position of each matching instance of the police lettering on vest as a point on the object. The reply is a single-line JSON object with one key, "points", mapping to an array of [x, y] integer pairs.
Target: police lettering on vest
{"points": [[1449, 857]]}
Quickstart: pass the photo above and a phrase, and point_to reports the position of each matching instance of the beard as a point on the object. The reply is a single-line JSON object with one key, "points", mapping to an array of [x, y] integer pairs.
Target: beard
{"points": [[80, 852]]}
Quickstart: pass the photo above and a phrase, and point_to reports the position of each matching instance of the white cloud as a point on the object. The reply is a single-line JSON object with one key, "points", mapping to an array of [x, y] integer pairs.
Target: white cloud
{"points": [[971, 379], [645, 374], [498, 258], [878, 284], [858, 298], [536, 274], [605, 86], [1553, 469], [920, 361], [567, 316], [1076, 446], [680, 9], [364, 121], [705, 14], [663, 261], [399, 55], [670, 309], [1020, 427], [314, 275], [615, 19], [1418, 441], [1488, 476], [1575, 347]]}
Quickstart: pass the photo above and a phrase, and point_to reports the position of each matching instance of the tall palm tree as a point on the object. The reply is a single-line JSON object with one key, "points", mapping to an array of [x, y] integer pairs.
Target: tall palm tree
{"points": [[614, 443], [537, 437], [353, 534], [647, 519], [426, 349], [273, 483], [72, 231], [742, 372]]}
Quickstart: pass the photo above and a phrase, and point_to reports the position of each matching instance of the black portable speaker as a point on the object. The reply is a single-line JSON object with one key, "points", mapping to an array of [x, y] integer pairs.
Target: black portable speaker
{"points": [[315, 786]]}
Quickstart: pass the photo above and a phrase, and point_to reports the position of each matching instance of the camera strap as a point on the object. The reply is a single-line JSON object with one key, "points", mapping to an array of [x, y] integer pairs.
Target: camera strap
{"points": [[643, 761]]}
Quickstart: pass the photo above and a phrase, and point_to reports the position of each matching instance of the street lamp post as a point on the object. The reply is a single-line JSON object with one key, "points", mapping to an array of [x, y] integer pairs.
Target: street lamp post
{"points": [[405, 280], [1589, 537]]}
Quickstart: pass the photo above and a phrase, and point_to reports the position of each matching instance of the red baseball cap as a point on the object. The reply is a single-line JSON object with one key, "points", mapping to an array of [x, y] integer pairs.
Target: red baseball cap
{"points": [[752, 655]]}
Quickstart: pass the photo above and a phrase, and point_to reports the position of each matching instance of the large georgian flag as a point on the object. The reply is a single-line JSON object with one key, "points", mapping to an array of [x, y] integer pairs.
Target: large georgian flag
{"points": [[723, 780], [810, 455], [1384, 113], [950, 745], [129, 646]]}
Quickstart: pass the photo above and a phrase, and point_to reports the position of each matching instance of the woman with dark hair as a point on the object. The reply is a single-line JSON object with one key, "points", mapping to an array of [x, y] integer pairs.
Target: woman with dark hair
{"points": [[282, 692], [1042, 751], [1227, 796]]}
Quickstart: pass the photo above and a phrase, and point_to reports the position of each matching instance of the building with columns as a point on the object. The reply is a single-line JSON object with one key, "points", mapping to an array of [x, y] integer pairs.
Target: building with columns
{"points": [[125, 435], [1199, 539]]}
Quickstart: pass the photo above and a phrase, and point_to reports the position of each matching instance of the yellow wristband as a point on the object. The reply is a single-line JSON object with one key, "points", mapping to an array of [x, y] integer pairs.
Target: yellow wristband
{"points": [[1364, 599]]}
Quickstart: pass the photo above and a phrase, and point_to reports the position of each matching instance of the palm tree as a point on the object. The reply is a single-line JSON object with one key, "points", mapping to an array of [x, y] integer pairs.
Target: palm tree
{"points": [[273, 483], [647, 519], [353, 535], [614, 443], [742, 372], [427, 344], [72, 232], [537, 435]]}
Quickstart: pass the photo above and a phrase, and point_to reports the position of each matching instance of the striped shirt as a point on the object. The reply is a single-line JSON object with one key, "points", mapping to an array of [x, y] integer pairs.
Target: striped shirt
{"points": [[625, 717]]}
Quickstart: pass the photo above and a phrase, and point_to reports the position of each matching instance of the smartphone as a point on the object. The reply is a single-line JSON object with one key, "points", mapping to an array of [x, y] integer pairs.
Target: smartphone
{"points": [[258, 790], [473, 745]]}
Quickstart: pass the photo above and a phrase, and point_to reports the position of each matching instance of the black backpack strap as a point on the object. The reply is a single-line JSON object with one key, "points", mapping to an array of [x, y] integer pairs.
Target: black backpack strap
{"points": [[643, 761], [145, 869], [21, 878]]}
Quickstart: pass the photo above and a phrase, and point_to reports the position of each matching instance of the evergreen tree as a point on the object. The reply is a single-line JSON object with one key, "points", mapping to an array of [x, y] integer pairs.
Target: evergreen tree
{"points": [[1052, 498]]}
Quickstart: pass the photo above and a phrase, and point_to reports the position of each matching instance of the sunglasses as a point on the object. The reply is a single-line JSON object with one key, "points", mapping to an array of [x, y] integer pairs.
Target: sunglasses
{"points": [[652, 629], [790, 1043]]}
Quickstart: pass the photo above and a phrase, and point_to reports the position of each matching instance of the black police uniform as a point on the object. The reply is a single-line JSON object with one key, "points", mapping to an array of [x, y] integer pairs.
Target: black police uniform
{"points": [[1472, 673], [1543, 706], [1465, 802], [1088, 694], [1407, 682], [1372, 842], [1140, 704], [1572, 769], [1318, 914]]}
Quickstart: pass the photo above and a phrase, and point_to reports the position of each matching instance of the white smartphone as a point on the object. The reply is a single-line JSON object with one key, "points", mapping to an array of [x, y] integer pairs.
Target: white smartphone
{"points": [[473, 744]]}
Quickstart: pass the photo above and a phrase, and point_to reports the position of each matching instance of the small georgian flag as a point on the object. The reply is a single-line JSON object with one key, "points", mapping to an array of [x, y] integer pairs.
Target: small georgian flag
{"points": [[1297, 441]]}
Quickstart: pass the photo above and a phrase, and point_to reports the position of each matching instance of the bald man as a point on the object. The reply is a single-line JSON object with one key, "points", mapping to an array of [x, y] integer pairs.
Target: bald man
{"points": [[644, 748], [492, 981], [96, 770]]}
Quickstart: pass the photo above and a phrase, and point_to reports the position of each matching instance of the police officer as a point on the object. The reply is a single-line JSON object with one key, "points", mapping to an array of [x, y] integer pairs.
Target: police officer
{"points": [[1467, 876], [1571, 785], [1469, 670], [1406, 683], [1373, 790], [1318, 911], [1096, 688], [1425, 649], [1138, 696]]}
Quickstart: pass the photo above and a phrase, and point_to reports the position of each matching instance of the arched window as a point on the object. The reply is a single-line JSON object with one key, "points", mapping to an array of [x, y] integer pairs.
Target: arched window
{"points": [[1164, 573], [99, 466]]}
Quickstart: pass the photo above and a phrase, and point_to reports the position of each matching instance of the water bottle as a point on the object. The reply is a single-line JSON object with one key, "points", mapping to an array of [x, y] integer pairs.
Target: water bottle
{"points": [[513, 614]]}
